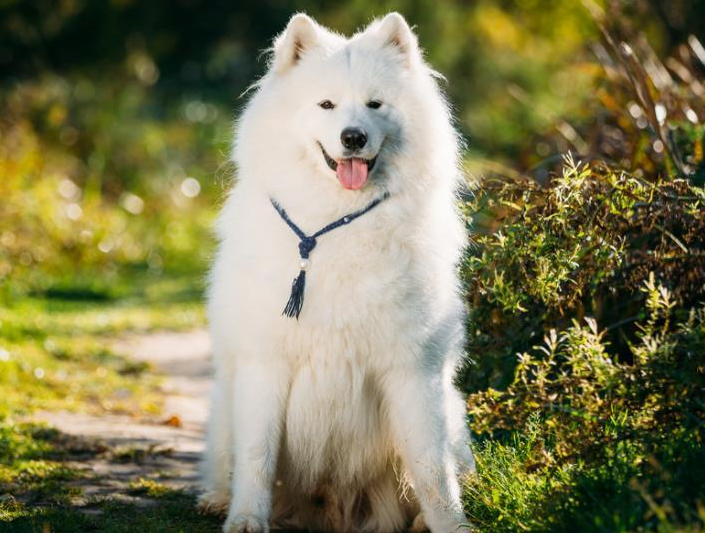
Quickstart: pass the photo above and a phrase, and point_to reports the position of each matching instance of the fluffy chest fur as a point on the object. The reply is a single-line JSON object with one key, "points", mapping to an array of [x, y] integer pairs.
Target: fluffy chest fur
{"points": [[376, 291], [366, 282]]}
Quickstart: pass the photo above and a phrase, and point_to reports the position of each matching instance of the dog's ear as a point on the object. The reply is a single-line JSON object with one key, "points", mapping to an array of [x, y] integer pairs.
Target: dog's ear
{"points": [[395, 32], [300, 36]]}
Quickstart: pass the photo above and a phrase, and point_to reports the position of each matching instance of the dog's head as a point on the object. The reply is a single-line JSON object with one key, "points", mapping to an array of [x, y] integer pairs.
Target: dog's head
{"points": [[353, 109]]}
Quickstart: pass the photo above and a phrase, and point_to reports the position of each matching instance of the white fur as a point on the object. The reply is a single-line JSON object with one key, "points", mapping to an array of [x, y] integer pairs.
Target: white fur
{"points": [[346, 419]]}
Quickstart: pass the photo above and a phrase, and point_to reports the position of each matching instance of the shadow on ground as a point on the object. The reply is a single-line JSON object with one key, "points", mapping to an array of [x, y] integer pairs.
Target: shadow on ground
{"points": [[64, 483]]}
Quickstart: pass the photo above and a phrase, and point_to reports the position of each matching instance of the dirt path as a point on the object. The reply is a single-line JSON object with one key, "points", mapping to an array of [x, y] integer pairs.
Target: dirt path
{"points": [[147, 448]]}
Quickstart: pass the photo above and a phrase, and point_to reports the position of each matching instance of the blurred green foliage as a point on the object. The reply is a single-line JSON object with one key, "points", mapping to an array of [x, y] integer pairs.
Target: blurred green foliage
{"points": [[90, 188], [515, 66], [110, 109]]}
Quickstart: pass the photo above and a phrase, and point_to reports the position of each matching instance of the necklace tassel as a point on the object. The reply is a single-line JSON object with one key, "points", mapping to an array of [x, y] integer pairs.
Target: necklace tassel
{"points": [[296, 300], [306, 245]]}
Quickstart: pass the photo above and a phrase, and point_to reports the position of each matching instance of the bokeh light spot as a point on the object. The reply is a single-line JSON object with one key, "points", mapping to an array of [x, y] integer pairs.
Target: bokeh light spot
{"points": [[190, 187]]}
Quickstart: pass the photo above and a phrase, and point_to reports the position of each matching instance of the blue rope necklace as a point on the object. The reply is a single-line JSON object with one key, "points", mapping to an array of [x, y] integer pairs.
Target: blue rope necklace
{"points": [[307, 244]]}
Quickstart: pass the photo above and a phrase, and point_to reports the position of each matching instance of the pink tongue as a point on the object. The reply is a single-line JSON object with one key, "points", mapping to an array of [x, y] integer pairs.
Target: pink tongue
{"points": [[352, 173]]}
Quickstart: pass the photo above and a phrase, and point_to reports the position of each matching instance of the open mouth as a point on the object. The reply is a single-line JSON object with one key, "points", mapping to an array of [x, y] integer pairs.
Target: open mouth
{"points": [[352, 172]]}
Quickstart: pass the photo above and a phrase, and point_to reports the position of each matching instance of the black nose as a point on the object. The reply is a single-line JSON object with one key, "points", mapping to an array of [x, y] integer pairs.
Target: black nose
{"points": [[353, 138]]}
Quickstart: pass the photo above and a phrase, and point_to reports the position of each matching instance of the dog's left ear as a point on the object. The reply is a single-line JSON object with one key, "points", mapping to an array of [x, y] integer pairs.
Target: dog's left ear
{"points": [[395, 32], [300, 36]]}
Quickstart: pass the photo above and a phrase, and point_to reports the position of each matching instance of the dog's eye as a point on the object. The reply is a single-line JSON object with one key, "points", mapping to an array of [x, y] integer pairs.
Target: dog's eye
{"points": [[374, 104], [326, 104]]}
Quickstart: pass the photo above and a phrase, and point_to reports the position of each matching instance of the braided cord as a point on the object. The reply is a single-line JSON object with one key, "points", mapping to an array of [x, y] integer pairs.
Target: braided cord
{"points": [[306, 246], [347, 219]]}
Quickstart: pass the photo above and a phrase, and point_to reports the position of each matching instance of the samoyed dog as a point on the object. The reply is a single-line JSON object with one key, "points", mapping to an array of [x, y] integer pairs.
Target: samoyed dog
{"points": [[334, 407]]}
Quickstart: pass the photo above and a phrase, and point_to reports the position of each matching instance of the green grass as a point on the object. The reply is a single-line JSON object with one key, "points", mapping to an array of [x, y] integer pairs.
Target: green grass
{"points": [[516, 489], [55, 354], [35, 497], [171, 512]]}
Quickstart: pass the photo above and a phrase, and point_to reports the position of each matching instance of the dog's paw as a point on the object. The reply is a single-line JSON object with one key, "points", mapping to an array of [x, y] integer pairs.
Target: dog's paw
{"points": [[418, 525], [213, 502], [245, 523]]}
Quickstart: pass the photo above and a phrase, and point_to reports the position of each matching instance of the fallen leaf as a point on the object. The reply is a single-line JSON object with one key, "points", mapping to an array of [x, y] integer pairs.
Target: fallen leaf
{"points": [[173, 421]]}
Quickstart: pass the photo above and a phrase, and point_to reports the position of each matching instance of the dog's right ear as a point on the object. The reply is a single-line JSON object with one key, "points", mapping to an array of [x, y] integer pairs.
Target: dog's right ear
{"points": [[396, 33], [299, 37]]}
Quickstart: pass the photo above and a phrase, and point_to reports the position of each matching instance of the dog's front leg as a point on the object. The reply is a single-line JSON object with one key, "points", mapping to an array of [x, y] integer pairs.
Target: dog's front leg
{"points": [[416, 408], [259, 394]]}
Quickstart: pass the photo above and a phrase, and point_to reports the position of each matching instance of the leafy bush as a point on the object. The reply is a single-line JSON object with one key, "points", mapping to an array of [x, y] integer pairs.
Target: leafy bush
{"points": [[584, 245], [586, 426], [587, 308]]}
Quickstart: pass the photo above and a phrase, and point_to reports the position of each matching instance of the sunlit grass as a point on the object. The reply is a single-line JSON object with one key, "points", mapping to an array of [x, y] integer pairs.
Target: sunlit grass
{"points": [[57, 354]]}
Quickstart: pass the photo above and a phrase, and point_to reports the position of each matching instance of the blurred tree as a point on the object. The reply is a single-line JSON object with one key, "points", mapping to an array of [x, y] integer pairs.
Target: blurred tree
{"points": [[128, 98], [514, 65]]}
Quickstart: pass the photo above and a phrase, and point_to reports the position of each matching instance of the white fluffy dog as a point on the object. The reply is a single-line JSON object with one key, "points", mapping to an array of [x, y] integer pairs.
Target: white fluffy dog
{"points": [[340, 414]]}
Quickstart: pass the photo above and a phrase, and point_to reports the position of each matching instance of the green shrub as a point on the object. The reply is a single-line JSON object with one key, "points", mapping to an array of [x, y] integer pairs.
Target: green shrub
{"points": [[586, 294], [582, 246], [595, 443]]}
